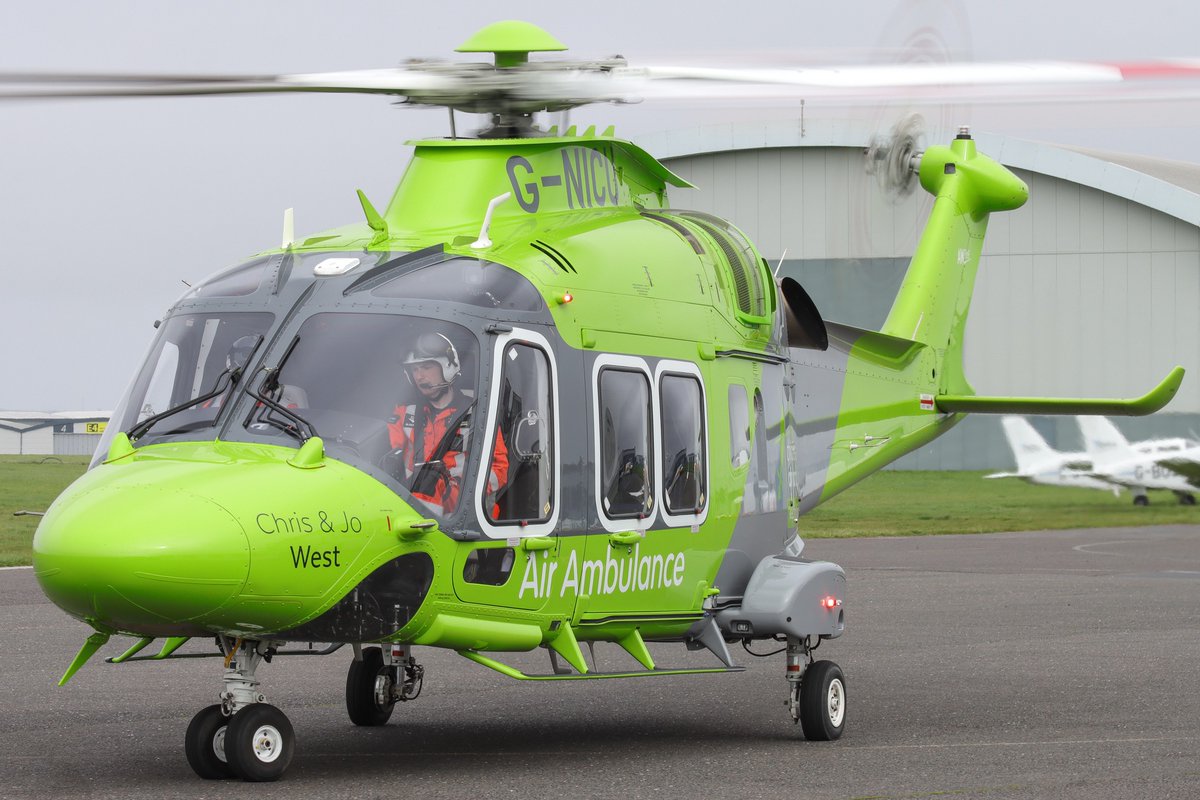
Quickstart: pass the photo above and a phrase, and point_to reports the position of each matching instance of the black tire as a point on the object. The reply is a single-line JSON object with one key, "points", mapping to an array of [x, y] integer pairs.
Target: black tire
{"points": [[204, 744], [361, 704], [823, 702], [259, 743], [1141, 500], [1187, 499]]}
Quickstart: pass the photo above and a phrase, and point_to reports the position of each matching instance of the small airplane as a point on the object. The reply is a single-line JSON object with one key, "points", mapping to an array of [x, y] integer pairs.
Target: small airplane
{"points": [[529, 405], [1171, 464], [1041, 464], [1109, 461]]}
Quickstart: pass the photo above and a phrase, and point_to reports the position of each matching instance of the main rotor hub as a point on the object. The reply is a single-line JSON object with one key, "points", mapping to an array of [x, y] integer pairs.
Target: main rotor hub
{"points": [[511, 41]]}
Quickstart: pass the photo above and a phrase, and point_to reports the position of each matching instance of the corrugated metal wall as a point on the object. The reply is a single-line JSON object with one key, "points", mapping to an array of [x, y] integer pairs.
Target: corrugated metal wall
{"points": [[75, 444], [1080, 292]]}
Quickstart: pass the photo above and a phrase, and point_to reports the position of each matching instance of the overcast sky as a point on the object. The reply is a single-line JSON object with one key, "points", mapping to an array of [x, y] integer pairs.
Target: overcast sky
{"points": [[107, 206]]}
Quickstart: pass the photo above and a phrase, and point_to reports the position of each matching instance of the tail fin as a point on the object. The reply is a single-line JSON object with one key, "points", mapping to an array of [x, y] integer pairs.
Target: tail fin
{"points": [[1103, 441], [931, 306], [935, 296], [1027, 445]]}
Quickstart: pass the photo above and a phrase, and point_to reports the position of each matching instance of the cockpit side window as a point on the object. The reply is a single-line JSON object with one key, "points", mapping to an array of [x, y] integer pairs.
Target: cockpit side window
{"points": [[525, 424]]}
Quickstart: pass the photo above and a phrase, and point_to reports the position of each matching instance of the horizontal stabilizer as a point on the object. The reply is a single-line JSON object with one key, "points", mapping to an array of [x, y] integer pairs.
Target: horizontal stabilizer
{"points": [[1136, 407]]}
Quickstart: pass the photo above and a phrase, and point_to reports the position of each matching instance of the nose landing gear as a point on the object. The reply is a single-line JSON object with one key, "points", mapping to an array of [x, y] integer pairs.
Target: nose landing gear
{"points": [[242, 737]]}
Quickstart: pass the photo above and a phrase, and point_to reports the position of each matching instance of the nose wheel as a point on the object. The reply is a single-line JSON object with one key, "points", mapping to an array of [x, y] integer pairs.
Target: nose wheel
{"points": [[204, 744], [243, 736], [259, 743]]}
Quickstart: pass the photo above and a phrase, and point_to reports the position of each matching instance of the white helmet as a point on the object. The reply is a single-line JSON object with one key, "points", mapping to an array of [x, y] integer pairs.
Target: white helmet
{"points": [[435, 347]]}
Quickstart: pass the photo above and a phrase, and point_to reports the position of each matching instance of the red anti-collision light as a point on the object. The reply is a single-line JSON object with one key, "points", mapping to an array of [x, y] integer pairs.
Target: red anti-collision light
{"points": [[829, 601], [566, 298]]}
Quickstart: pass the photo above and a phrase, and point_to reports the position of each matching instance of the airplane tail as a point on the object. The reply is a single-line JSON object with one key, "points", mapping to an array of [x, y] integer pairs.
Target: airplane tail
{"points": [[1027, 445], [1105, 444]]}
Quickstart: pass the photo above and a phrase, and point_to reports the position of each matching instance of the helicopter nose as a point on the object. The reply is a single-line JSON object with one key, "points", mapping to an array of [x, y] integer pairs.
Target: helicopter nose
{"points": [[140, 558]]}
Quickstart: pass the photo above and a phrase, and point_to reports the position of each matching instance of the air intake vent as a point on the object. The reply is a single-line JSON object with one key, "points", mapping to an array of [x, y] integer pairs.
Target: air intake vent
{"points": [[747, 274]]}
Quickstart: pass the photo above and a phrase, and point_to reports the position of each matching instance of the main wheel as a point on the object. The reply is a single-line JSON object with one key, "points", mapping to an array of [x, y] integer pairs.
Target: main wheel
{"points": [[369, 689], [1141, 500], [823, 702], [259, 743], [204, 744], [1187, 499]]}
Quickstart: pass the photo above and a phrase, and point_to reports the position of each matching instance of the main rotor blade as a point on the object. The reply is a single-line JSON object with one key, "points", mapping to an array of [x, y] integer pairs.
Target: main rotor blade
{"points": [[941, 82], [17, 85], [559, 85]]}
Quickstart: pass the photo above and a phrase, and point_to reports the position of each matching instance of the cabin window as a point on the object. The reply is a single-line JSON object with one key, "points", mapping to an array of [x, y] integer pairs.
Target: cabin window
{"points": [[739, 426], [489, 566], [626, 458], [683, 456], [521, 489]]}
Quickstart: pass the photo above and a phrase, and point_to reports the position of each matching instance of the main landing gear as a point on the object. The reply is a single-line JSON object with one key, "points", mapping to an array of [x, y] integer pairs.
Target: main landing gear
{"points": [[817, 699], [376, 681], [243, 736], [1186, 498]]}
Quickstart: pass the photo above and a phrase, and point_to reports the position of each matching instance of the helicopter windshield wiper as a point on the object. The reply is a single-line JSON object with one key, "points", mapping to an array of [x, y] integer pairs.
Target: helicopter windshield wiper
{"points": [[301, 428], [227, 379]]}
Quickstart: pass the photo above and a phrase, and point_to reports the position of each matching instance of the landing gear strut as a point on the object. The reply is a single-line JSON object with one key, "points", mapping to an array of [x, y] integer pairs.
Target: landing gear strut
{"points": [[242, 737], [817, 699], [376, 681]]}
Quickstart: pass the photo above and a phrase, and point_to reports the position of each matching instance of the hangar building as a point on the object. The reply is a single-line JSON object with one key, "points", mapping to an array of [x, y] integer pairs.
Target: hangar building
{"points": [[1091, 289], [59, 433]]}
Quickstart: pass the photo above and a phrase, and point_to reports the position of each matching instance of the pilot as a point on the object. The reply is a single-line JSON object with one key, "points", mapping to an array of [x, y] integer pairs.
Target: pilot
{"points": [[431, 438]]}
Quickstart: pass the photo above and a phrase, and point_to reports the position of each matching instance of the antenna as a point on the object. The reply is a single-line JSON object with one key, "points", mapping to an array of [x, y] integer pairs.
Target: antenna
{"points": [[779, 266], [483, 241], [289, 229]]}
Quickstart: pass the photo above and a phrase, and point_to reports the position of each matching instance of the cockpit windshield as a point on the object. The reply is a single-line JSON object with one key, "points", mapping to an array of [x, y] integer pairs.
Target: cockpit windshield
{"points": [[192, 356], [396, 392]]}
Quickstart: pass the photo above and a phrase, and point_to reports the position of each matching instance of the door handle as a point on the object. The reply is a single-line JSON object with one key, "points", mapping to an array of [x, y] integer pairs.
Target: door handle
{"points": [[537, 543], [626, 537]]}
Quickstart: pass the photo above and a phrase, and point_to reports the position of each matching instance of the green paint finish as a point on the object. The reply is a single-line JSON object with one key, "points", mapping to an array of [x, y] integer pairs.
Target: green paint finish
{"points": [[142, 544], [511, 36], [512, 672], [197, 538], [90, 646], [892, 377], [1148, 403]]}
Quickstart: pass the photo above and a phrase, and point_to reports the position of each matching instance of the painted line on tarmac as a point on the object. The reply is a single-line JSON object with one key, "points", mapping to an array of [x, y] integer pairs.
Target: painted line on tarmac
{"points": [[1049, 742], [25, 567], [1084, 548]]}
